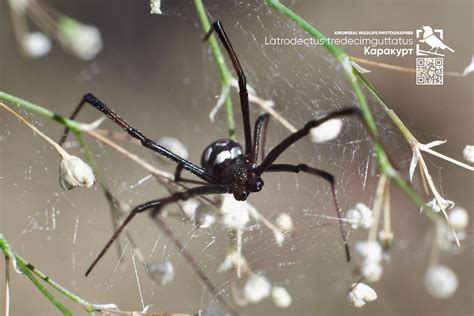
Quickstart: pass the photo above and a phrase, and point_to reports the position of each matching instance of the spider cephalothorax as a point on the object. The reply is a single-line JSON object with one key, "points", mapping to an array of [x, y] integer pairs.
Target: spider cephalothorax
{"points": [[227, 167], [224, 160]]}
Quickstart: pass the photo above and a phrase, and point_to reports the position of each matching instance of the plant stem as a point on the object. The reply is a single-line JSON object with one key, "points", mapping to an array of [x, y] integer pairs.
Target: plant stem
{"points": [[224, 72], [31, 272], [353, 75], [72, 125]]}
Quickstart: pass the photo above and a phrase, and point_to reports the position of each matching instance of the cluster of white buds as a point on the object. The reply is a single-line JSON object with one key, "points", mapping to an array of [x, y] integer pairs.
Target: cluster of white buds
{"points": [[434, 205], [155, 7], [468, 153], [235, 215], [161, 272], [327, 131], [82, 40], [441, 281], [257, 287], [73, 172], [369, 260], [361, 293], [360, 216], [36, 44]]}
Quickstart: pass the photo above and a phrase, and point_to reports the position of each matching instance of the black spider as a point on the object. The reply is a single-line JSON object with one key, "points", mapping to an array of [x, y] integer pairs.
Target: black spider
{"points": [[226, 166]]}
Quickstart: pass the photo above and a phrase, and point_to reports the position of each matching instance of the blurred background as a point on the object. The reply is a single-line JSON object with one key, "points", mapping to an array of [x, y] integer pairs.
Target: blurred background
{"points": [[158, 74]]}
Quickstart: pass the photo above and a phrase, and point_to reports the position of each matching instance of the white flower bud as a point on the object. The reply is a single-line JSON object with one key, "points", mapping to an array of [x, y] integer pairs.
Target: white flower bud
{"points": [[73, 172], [368, 259], [36, 44], [161, 272], [235, 214], [82, 40], [368, 250], [155, 7], [204, 216], [441, 281], [281, 297], [371, 271], [327, 131], [360, 294], [458, 218], [360, 216], [189, 207], [386, 238], [173, 144], [256, 288], [284, 222], [433, 204], [468, 153], [279, 237]]}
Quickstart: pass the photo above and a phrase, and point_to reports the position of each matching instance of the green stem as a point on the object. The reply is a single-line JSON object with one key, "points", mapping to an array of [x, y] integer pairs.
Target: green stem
{"points": [[72, 125], [43, 289], [224, 72], [353, 77], [31, 272]]}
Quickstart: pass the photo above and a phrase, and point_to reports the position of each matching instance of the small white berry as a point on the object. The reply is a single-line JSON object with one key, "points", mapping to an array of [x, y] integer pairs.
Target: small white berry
{"points": [[281, 297], [327, 131], [36, 44], [360, 216], [441, 281], [284, 222], [368, 250], [204, 216], [458, 218], [371, 271], [162, 272], [360, 294], [73, 172], [468, 153], [256, 288]]}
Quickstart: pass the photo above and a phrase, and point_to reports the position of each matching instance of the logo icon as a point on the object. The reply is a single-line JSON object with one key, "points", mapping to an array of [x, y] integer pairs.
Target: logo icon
{"points": [[432, 41]]}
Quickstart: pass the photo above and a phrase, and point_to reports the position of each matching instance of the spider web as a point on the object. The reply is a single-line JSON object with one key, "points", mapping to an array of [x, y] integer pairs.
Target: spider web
{"points": [[167, 85]]}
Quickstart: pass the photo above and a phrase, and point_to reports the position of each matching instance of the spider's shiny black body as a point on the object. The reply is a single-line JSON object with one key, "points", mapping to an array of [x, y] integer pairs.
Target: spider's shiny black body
{"points": [[226, 166], [225, 161]]}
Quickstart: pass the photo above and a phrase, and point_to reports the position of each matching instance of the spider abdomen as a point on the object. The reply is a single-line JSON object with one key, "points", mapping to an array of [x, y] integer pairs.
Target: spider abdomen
{"points": [[221, 154]]}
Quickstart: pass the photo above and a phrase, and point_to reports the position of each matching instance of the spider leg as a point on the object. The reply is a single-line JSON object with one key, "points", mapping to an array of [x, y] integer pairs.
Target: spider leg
{"points": [[157, 206], [244, 97], [146, 142], [296, 136], [259, 137], [72, 117], [178, 178], [326, 176]]}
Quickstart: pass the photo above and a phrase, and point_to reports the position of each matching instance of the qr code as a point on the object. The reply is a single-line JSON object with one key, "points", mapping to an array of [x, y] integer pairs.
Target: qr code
{"points": [[429, 71]]}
